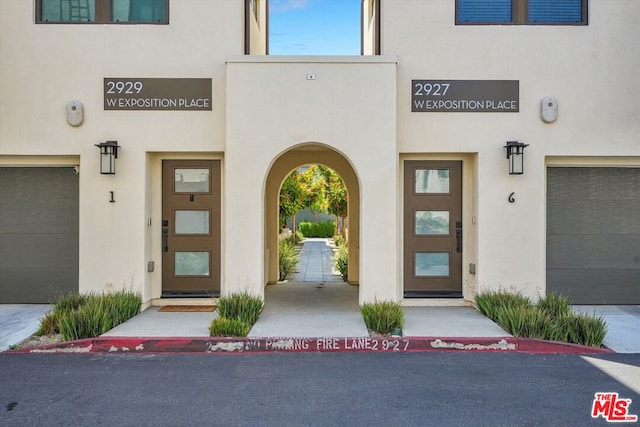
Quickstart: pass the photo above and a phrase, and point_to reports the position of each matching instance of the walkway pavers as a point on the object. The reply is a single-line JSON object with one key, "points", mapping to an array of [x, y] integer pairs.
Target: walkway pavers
{"points": [[316, 263]]}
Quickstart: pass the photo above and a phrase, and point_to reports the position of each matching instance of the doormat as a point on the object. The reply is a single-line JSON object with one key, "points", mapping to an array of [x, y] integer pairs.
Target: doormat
{"points": [[187, 308]]}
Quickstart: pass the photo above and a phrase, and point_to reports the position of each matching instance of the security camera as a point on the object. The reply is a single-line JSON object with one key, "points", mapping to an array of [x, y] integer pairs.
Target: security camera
{"points": [[76, 170]]}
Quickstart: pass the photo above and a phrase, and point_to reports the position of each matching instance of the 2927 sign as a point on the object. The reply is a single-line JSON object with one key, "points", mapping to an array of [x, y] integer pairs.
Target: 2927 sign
{"points": [[465, 96]]}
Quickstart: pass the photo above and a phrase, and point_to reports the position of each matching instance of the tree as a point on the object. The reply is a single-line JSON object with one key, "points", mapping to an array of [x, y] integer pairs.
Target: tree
{"points": [[314, 184], [336, 195], [292, 195], [320, 189]]}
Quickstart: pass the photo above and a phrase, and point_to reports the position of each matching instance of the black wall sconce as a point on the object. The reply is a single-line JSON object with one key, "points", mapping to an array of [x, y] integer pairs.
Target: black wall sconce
{"points": [[515, 155], [108, 156]]}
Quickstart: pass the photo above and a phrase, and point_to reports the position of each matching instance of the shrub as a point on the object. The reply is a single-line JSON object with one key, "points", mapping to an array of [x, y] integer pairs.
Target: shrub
{"points": [[492, 303], [317, 229], [581, 328], [550, 319], [48, 325], [69, 302], [338, 240], [91, 315], [523, 321], [341, 258], [288, 258], [555, 305], [241, 306], [382, 316], [224, 327]]}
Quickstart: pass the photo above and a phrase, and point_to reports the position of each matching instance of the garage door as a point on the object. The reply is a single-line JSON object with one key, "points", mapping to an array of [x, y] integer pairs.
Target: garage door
{"points": [[38, 233], [593, 234]]}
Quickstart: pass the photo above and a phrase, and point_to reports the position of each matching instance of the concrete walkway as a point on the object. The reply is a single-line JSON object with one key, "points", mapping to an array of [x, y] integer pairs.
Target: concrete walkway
{"points": [[19, 321], [316, 263]]}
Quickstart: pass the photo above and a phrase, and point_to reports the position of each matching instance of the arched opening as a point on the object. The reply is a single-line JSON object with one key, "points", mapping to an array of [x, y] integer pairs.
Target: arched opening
{"points": [[314, 203], [288, 161]]}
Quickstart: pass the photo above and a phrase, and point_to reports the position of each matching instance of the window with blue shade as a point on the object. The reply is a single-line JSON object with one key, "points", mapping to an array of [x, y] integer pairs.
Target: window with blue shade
{"points": [[555, 11], [485, 11], [521, 12]]}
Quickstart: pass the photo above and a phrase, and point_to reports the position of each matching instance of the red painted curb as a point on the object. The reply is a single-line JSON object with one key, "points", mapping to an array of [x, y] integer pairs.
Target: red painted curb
{"points": [[145, 345], [532, 345]]}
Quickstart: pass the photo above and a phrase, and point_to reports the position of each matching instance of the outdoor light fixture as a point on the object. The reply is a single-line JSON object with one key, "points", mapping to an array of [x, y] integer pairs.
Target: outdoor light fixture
{"points": [[108, 156], [515, 155]]}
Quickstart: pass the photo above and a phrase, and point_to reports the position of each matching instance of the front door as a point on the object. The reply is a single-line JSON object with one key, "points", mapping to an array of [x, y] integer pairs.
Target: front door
{"points": [[432, 229], [190, 228]]}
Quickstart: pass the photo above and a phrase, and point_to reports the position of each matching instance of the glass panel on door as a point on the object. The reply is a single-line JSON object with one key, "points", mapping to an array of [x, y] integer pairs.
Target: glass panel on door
{"points": [[432, 181], [192, 222], [430, 264], [192, 263], [191, 180], [429, 223]]}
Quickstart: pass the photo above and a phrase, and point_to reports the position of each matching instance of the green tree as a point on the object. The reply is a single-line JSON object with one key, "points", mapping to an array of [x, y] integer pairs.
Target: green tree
{"points": [[292, 197], [337, 197], [315, 186]]}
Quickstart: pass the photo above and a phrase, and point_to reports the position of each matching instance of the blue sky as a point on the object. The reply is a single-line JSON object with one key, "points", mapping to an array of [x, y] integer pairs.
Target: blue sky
{"points": [[314, 27]]}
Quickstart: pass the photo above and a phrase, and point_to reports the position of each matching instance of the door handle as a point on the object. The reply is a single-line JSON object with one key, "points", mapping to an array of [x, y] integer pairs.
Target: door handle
{"points": [[165, 240], [459, 237]]}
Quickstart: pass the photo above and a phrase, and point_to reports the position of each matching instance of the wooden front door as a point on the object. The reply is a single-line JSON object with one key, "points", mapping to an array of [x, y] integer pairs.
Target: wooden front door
{"points": [[190, 228], [432, 229]]}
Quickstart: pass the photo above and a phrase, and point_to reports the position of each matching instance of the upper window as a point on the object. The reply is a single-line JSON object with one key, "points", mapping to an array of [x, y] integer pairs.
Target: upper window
{"points": [[103, 11], [522, 12]]}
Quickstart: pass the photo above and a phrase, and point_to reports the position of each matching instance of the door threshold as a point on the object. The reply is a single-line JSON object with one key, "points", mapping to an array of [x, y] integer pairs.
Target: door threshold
{"points": [[161, 302], [435, 302]]}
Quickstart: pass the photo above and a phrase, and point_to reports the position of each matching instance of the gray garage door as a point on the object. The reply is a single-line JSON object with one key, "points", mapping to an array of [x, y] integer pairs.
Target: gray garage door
{"points": [[593, 234], [38, 233]]}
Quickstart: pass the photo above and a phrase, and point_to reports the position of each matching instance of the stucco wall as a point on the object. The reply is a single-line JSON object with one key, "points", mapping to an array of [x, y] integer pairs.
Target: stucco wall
{"points": [[285, 109], [359, 106], [589, 69], [44, 66]]}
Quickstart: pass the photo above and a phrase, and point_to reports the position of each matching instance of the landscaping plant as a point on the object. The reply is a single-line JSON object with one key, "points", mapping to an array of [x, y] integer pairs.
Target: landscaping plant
{"points": [[317, 229], [224, 327], [241, 306], [77, 316], [341, 259], [551, 318], [382, 317], [288, 258], [237, 313], [48, 325]]}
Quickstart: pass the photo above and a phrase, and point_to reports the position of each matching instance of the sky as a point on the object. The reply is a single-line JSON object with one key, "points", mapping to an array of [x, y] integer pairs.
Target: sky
{"points": [[314, 27]]}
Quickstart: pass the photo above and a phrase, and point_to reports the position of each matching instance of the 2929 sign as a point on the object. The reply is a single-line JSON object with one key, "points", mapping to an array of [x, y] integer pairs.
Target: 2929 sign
{"points": [[124, 87]]}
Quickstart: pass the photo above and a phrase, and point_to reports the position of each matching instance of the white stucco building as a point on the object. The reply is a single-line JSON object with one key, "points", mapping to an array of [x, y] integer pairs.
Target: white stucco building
{"points": [[208, 125]]}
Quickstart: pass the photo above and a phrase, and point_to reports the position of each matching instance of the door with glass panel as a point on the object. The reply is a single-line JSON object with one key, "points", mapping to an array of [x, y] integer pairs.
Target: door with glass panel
{"points": [[432, 229], [190, 228]]}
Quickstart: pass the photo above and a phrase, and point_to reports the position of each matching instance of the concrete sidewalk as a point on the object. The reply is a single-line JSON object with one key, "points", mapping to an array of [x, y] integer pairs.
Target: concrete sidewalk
{"points": [[19, 321], [316, 302]]}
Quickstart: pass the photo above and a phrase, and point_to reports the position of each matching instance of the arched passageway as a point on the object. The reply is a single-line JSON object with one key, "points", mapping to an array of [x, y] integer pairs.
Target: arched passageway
{"points": [[312, 153]]}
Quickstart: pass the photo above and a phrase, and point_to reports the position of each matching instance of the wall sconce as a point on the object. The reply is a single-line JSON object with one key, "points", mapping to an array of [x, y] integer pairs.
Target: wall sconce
{"points": [[515, 155], [108, 156]]}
